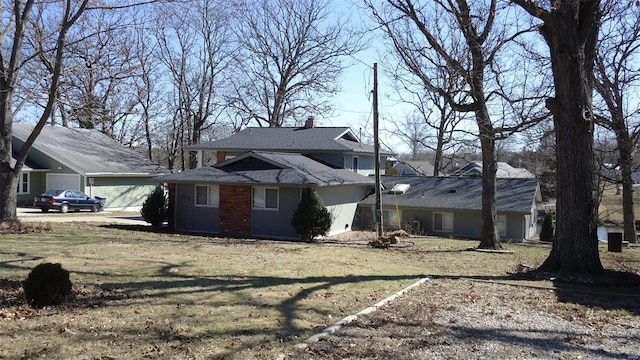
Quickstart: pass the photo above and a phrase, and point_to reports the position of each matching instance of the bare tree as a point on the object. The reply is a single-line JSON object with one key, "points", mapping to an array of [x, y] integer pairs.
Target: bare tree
{"points": [[570, 29], [96, 90], [467, 39], [147, 88], [434, 123], [291, 59], [617, 77], [414, 133], [440, 120], [195, 45], [12, 59]]}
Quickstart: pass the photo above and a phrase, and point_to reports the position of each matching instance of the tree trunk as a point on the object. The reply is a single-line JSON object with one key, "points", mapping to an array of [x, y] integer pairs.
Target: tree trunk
{"points": [[490, 238], [571, 30], [437, 161], [8, 178], [625, 148]]}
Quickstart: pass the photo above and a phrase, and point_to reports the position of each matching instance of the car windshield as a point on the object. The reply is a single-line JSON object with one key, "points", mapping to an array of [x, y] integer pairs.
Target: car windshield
{"points": [[54, 192]]}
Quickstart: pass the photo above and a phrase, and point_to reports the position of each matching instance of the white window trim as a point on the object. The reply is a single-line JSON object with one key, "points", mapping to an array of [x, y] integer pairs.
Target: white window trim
{"points": [[209, 189], [355, 160], [444, 214], [263, 194], [20, 183]]}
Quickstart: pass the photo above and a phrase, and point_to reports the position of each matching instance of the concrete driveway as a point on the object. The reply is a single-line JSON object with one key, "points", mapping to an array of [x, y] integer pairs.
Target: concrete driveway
{"points": [[31, 215]]}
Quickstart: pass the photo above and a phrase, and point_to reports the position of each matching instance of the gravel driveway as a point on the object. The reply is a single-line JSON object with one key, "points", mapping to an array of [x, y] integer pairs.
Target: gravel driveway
{"points": [[466, 319], [35, 215]]}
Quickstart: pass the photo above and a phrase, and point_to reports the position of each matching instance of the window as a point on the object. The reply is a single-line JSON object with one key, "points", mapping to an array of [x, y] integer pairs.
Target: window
{"points": [[390, 219], [443, 222], [23, 183], [501, 225], [207, 195], [265, 198], [355, 163]]}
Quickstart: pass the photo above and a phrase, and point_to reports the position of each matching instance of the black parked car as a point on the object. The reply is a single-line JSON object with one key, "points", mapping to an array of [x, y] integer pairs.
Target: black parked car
{"points": [[65, 200]]}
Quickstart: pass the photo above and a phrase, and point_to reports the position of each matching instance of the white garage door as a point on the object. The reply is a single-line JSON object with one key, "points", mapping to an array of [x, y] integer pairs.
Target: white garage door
{"points": [[63, 182]]}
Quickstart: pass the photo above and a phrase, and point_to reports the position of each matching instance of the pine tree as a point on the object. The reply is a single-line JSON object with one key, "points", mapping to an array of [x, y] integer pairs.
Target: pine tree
{"points": [[311, 218], [548, 229], [154, 209]]}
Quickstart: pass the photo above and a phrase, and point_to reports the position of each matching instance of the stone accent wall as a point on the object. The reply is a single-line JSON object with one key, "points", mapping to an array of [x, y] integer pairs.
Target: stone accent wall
{"points": [[235, 210]]}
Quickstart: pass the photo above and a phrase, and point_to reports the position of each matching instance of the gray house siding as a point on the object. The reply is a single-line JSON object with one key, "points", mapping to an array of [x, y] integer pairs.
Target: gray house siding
{"points": [[466, 224], [342, 202], [515, 227], [330, 158], [277, 223], [191, 218], [366, 163], [37, 186]]}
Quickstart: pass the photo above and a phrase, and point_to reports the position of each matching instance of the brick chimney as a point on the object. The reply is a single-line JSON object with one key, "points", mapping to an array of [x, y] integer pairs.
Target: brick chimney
{"points": [[310, 123]]}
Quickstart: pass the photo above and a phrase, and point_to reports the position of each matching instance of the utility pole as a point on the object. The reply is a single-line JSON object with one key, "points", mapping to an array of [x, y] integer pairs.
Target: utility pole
{"points": [[376, 147]]}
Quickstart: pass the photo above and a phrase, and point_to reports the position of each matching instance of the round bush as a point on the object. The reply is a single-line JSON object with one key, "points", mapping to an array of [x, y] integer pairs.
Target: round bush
{"points": [[47, 284]]}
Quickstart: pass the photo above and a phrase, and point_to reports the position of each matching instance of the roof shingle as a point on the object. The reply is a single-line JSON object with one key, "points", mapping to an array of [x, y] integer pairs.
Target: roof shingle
{"points": [[286, 169], [88, 152], [289, 139], [457, 193]]}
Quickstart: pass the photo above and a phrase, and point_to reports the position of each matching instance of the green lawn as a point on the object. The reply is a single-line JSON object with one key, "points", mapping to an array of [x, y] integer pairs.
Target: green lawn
{"points": [[141, 294]]}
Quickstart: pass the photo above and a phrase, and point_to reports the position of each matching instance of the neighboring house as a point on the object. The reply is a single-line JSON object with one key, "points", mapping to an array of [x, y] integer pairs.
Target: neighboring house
{"points": [[254, 194], [414, 167], [85, 160], [335, 146], [451, 206], [506, 171]]}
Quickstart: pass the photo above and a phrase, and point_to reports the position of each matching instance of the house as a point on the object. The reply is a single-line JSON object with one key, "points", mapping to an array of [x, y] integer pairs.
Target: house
{"points": [[335, 146], [85, 160], [504, 171], [255, 194], [414, 167], [451, 206], [250, 183]]}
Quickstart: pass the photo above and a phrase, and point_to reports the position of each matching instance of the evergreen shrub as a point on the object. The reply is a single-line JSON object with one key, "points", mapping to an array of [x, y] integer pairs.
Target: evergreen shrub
{"points": [[311, 218], [154, 208], [547, 233]]}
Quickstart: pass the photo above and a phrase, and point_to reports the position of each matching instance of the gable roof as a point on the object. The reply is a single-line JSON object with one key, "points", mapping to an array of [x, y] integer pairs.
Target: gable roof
{"points": [[419, 167], [289, 139], [265, 168], [457, 193], [88, 152], [504, 171]]}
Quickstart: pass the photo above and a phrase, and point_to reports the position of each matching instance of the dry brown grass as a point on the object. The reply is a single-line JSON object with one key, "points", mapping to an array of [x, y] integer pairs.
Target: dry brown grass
{"points": [[139, 294], [610, 209]]}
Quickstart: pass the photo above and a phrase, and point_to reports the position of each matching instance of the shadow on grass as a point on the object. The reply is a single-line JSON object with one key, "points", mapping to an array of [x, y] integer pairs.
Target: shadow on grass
{"points": [[138, 227], [615, 290], [169, 284]]}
